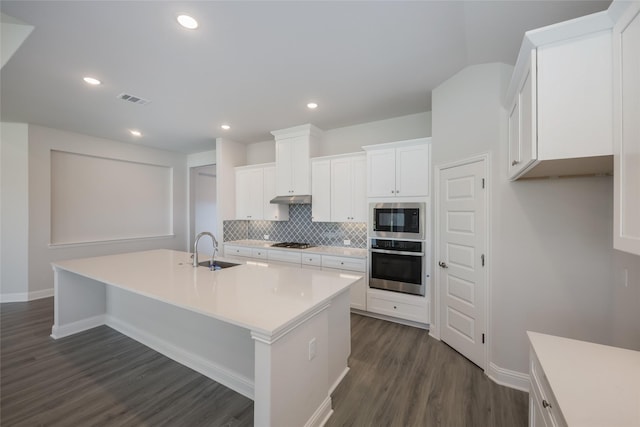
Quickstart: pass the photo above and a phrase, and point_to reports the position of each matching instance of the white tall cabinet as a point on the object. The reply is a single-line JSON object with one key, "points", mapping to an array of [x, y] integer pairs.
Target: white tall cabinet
{"points": [[398, 169], [626, 127]]}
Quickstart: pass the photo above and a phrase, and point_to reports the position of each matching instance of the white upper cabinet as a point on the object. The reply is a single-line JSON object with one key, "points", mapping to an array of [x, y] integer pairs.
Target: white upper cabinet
{"points": [[294, 148], [339, 188], [255, 187], [321, 190], [272, 212], [249, 193], [398, 169], [348, 189], [626, 126], [559, 101]]}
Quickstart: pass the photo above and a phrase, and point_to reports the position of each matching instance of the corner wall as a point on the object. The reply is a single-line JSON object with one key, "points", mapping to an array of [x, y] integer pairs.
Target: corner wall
{"points": [[14, 211], [551, 240]]}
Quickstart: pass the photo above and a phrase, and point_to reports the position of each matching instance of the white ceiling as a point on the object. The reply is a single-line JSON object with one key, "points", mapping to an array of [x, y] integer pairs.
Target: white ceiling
{"points": [[253, 65]]}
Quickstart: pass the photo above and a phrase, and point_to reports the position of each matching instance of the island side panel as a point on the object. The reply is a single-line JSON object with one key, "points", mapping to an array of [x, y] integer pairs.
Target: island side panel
{"points": [[79, 303], [216, 349], [339, 338], [292, 384]]}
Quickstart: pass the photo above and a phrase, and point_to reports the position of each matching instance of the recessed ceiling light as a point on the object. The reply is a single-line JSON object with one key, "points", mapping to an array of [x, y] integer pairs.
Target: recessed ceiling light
{"points": [[92, 81], [225, 127], [312, 105], [187, 22], [135, 132]]}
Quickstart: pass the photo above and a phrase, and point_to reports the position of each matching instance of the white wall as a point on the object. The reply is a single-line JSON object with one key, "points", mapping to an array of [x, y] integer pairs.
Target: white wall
{"points": [[204, 205], [41, 141], [14, 211], [350, 139], [551, 240], [229, 154]]}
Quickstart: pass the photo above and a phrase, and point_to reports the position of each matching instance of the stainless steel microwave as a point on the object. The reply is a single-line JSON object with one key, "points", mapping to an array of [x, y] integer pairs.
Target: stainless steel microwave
{"points": [[397, 220]]}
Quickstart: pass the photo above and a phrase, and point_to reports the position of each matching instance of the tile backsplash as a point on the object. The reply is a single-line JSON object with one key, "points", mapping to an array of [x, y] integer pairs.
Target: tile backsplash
{"points": [[299, 228]]}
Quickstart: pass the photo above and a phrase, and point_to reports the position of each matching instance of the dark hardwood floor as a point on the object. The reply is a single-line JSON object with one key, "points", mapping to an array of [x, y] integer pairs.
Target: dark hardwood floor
{"points": [[399, 377]]}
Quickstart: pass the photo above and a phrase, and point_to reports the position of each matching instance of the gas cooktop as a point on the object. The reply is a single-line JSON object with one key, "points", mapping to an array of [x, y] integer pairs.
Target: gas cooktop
{"points": [[292, 245]]}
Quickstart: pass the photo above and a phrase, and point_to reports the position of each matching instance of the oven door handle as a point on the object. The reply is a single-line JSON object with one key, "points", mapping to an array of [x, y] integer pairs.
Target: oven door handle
{"points": [[384, 251]]}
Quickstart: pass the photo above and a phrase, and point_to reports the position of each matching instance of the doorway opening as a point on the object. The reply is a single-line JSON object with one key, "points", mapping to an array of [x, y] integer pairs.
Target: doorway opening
{"points": [[203, 206]]}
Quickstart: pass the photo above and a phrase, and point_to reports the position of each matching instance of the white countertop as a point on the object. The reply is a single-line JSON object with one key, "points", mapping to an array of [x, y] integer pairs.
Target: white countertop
{"points": [[262, 299], [321, 250], [594, 385]]}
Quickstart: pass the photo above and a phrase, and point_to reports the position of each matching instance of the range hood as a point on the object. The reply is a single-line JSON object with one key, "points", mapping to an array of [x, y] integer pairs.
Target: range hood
{"points": [[292, 200]]}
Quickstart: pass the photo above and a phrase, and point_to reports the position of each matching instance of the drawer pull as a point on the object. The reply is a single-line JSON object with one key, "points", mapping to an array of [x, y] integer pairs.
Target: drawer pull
{"points": [[515, 162], [395, 308], [546, 404]]}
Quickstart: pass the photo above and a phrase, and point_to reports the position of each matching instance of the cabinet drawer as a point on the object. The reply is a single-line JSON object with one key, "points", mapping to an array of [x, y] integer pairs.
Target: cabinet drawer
{"points": [[285, 256], [237, 251], [259, 253], [341, 263], [397, 309], [542, 390], [312, 259]]}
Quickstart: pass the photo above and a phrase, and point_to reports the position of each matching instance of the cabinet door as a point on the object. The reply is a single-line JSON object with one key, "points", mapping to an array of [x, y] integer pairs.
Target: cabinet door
{"points": [[359, 189], [626, 126], [381, 171], [272, 212], [412, 171], [284, 174], [321, 191], [341, 195], [527, 140], [301, 173], [249, 194]]}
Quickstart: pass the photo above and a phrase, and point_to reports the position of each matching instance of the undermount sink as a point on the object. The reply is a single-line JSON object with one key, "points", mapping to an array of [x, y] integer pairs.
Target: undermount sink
{"points": [[217, 265]]}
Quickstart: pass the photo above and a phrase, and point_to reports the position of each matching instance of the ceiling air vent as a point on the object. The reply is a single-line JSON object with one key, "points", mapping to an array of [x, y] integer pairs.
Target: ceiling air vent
{"points": [[133, 99]]}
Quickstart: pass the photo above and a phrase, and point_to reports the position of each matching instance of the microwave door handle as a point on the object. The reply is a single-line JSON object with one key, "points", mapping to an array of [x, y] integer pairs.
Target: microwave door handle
{"points": [[383, 251]]}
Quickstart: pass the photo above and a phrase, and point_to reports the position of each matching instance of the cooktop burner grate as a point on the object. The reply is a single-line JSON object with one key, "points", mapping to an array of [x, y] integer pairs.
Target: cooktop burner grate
{"points": [[293, 245]]}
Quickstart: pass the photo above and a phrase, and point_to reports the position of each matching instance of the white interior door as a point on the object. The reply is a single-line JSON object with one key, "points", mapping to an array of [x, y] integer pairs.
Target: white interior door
{"points": [[461, 252]]}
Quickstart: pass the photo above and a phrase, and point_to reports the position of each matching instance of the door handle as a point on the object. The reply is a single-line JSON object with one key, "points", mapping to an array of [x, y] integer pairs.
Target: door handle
{"points": [[443, 264]]}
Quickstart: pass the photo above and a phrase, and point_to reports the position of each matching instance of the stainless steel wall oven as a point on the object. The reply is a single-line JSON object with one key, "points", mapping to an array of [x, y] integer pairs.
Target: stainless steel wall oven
{"points": [[397, 265]]}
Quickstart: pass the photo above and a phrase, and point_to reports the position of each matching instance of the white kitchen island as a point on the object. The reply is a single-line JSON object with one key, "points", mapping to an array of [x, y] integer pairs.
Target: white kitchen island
{"points": [[278, 335]]}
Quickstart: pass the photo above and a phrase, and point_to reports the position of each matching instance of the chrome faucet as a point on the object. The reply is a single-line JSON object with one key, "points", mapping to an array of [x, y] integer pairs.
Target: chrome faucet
{"points": [[195, 247]]}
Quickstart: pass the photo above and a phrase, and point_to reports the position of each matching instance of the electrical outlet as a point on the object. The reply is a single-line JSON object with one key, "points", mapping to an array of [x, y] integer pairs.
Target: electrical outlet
{"points": [[347, 242], [266, 237], [312, 348]]}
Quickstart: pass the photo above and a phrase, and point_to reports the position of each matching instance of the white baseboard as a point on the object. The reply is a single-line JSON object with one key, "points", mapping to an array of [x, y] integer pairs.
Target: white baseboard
{"points": [[508, 378], [242, 385], [321, 415], [392, 319], [75, 327], [338, 381], [26, 296]]}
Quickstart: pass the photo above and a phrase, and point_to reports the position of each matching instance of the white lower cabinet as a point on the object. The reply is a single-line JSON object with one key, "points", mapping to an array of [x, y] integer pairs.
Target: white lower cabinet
{"points": [[402, 306], [351, 266], [235, 251], [314, 261], [543, 408]]}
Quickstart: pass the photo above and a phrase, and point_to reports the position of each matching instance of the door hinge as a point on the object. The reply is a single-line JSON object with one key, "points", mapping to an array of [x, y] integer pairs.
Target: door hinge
{"points": [[482, 338], [482, 259], [482, 182]]}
